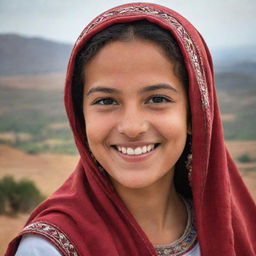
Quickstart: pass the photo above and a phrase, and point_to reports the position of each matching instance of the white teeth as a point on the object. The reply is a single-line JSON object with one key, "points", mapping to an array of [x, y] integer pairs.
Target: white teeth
{"points": [[136, 151], [130, 151]]}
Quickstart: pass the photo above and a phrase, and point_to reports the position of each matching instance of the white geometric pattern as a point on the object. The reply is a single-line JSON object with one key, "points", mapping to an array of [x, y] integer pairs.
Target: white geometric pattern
{"points": [[53, 233]]}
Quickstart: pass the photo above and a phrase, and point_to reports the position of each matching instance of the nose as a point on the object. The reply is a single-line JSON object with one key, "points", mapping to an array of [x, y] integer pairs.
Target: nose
{"points": [[132, 123]]}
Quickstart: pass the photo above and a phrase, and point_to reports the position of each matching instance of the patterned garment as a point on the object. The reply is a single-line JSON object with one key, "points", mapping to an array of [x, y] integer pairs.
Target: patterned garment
{"points": [[186, 245], [34, 245]]}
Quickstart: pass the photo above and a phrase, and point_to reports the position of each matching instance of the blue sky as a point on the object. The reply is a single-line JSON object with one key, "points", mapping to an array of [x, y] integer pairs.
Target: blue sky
{"points": [[226, 23]]}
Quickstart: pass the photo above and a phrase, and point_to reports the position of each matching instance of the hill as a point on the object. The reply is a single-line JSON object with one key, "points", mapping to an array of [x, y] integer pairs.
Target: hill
{"points": [[24, 55], [35, 83], [32, 55], [236, 84]]}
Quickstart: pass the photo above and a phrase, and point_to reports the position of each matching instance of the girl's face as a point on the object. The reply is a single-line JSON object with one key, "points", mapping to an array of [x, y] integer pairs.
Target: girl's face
{"points": [[135, 111]]}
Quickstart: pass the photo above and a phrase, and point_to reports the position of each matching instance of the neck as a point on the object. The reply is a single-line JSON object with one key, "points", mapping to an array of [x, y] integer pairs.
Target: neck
{"points": [[158, 209]]}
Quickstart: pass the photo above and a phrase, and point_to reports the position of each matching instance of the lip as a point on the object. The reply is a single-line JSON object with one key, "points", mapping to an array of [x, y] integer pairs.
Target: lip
{"points": [[136, 158]]}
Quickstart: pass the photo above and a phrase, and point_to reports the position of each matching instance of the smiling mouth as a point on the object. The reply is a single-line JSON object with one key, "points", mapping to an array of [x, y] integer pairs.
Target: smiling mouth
{"points": [[137, 150]]}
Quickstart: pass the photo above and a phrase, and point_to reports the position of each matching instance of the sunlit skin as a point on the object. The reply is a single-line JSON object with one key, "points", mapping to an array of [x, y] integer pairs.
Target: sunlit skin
{"points": [[132, 98]]}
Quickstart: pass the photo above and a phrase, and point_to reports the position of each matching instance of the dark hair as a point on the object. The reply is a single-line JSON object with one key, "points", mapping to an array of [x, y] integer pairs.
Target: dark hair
{"points": [[141, 29]]}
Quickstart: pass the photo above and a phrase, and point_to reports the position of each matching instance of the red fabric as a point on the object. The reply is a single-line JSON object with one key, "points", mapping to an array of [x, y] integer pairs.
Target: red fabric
{"points": [[92, 215]]}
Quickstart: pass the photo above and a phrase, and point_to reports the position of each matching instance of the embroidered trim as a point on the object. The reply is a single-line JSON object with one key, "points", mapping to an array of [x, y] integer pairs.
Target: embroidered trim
{"points": [[190, 46], [54, 234], [180, 247]]}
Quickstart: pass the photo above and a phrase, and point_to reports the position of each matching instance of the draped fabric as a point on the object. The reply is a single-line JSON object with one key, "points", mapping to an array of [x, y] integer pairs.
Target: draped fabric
{"points": [[85, 216]]}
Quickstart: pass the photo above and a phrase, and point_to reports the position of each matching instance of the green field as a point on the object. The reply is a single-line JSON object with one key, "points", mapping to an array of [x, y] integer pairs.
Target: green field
{"points": [[237, 97], [39, 114]]}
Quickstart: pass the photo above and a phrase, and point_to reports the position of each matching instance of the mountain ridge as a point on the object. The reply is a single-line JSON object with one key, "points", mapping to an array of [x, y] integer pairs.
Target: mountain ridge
{"points": [[22, 55]]}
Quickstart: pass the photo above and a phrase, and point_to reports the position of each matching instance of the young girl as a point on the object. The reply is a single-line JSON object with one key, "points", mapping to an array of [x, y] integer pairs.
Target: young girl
{"points": [[141, 102]]}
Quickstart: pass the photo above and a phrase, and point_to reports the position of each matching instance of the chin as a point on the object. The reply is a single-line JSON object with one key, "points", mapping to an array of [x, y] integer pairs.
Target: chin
{"points": [[141, 181]]}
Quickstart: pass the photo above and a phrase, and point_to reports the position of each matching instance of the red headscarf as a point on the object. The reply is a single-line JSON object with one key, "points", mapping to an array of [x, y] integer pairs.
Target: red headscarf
{"points": [[86, 217]]}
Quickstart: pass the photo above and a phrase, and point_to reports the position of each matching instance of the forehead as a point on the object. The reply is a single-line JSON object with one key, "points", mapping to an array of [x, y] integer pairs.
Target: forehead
{"points": [[123, 64]]}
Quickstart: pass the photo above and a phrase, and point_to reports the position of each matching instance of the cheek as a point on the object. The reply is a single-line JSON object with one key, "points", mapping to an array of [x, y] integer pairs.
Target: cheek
{"points": [[173, 124], [98, 127]]}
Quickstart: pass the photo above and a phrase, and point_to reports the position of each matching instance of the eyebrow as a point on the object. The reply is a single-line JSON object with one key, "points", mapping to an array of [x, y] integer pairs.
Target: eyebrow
{"points": [[102, 89], [145, 89], [157, 87]]}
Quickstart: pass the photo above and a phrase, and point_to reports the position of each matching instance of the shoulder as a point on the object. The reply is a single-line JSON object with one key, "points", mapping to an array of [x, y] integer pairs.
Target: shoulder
{"points": [[34, 245]]}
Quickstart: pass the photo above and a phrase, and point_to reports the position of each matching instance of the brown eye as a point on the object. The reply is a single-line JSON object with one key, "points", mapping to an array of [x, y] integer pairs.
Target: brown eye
{"points": [[105, 101], [159, 99]]}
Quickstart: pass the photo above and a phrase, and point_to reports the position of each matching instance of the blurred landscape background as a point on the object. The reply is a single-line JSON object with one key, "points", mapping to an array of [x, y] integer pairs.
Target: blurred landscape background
{"points": [[36, 143]]}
